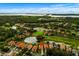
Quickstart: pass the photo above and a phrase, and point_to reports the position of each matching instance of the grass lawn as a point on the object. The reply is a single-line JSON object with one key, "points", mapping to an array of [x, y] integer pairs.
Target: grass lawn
{"points": [[38, 33], [74, 43]]}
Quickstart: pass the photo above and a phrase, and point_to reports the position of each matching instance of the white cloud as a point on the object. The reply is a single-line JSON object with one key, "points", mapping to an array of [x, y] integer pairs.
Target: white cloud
{"points": [[61, 8]]}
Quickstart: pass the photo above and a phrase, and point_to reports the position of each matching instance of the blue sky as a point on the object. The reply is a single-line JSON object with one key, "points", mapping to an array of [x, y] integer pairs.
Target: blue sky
{"points": [[56, 8]]}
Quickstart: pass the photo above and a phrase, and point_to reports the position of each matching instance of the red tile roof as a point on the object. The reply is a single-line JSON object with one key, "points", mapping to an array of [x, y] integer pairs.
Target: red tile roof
{"points": [[34, 48], [21, 44], [46, 46], [29, 46]]}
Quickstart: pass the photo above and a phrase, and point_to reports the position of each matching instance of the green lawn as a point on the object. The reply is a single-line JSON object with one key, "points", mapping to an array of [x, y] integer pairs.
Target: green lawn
{"points": [[74, 43], [39, 33]]}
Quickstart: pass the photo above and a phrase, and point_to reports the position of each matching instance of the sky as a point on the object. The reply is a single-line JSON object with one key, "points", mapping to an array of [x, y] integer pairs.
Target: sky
{"points": [[54, 8]]}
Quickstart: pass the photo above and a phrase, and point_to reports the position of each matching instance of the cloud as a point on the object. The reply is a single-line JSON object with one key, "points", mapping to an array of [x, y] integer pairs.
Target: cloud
{"points": [[55, 8], [70, 5]]}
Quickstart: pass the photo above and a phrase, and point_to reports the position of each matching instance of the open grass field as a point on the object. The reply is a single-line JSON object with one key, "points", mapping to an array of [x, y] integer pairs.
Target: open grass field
{"points": [[74, 43]]}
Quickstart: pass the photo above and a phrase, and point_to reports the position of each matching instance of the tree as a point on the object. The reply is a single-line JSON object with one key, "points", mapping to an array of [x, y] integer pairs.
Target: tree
{"points": [[5, 49]]}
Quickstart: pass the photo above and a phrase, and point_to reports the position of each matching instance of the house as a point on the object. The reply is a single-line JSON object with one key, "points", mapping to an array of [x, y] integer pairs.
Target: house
{"points": [[68, 48], [12, 43], [20, 45], [27, 33], [62, 46], [46, 46], [29, 46], [34, 49], [41, 45], [40, 29], [50, 46], [20, 36]]}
